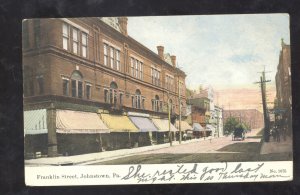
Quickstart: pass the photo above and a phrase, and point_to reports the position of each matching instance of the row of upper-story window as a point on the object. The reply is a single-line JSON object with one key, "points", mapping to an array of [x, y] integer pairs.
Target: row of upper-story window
{"points": [[112, 95], [31, 89], [77, 88], [111, 57]]}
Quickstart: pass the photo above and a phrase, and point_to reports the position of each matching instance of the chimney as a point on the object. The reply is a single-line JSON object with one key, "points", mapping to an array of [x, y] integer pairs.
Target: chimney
{"points": [[160, 50], [173, 59], [123, 25]]}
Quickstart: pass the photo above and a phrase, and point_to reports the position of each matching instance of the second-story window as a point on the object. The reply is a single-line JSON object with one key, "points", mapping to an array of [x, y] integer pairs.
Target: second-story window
{"points": [[121, 98], [66, 36], [88, 91], [75, 41], [156, 104], [113, 93], [65, 86], [84, 42], [139, 102], [40, 80], [80, 91], [76, 85]]}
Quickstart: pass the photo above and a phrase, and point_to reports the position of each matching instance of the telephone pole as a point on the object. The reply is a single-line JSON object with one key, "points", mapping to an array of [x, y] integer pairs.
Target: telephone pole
{"points": [[179, 101], [262, 83], [169, 117]]}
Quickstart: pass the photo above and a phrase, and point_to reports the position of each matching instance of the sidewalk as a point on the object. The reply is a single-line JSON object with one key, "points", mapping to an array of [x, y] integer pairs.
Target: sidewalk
{"points": [[277, 147], [99, 156]]}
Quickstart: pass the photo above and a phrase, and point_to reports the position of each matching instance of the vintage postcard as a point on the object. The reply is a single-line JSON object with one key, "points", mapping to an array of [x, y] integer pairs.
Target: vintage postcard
{"points": [[157, 100]]}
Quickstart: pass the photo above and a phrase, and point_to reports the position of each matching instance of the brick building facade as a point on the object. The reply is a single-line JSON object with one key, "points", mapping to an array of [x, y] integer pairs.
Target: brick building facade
{"points": [[283, 102], [92, 64]]}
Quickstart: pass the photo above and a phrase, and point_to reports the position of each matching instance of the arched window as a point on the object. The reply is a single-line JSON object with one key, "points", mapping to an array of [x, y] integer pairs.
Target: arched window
{"points": [[138, 98], [76, 84], [113, 94], [157, 104]]}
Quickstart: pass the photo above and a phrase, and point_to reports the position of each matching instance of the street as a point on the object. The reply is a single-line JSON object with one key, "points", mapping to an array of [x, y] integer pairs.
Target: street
{"points": [[191, 151], [209, 145], [208, 150]]}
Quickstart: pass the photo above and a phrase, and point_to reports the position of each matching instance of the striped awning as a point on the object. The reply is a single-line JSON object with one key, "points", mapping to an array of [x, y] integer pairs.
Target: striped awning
{"points": [[184, 126], [144, 124], [77, 122], [163, 125], [118, 123], [35, 122]]}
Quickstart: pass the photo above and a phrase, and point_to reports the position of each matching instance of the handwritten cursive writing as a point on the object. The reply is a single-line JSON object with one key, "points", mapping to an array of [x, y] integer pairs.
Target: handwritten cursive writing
{"points": [[194, 173], [136, 172]]}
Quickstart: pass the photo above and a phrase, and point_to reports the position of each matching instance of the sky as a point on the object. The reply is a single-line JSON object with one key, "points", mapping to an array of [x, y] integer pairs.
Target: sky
{"points": [[223, 51]]}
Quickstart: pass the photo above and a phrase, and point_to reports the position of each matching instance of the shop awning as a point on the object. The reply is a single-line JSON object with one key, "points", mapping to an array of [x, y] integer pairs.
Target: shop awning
{"points": [[77, 122], [35, 122], [118, 123], [144, 124], [163, 125], [209, 128], [184, 126], [197, 127]]}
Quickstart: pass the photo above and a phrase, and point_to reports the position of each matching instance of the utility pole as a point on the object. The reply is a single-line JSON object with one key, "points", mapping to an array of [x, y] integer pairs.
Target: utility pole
{"points": [[265, 111], [169, 115], [179, 101]]}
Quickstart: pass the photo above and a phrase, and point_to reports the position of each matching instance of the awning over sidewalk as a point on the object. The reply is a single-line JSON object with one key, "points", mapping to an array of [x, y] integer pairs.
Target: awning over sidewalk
{"points": [[163, 125], [118, 123], [77, 122], [144, 124], [184, 125], [210, 128], [35, 122], [197, 127]]}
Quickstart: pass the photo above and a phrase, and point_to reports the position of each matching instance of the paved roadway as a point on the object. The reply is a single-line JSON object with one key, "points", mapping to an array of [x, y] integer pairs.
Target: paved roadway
{"points": [[191, 147], [205, 146]]}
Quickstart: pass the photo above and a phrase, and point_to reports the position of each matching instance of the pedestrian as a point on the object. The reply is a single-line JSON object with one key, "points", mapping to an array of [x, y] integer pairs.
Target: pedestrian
{"points": [[284, 133], [277, 135], [184, 136]]}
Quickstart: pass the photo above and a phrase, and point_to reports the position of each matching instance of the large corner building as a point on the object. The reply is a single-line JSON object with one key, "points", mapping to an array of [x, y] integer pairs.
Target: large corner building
{"points": [[84, 77]]}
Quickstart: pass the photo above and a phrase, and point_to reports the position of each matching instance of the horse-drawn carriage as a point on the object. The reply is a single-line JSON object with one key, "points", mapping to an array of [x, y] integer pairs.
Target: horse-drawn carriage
{"points": [[238, 134]]}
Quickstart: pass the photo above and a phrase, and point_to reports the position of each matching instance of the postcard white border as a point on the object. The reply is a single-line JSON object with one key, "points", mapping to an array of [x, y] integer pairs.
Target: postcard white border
{"points": [[159, 173]]}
